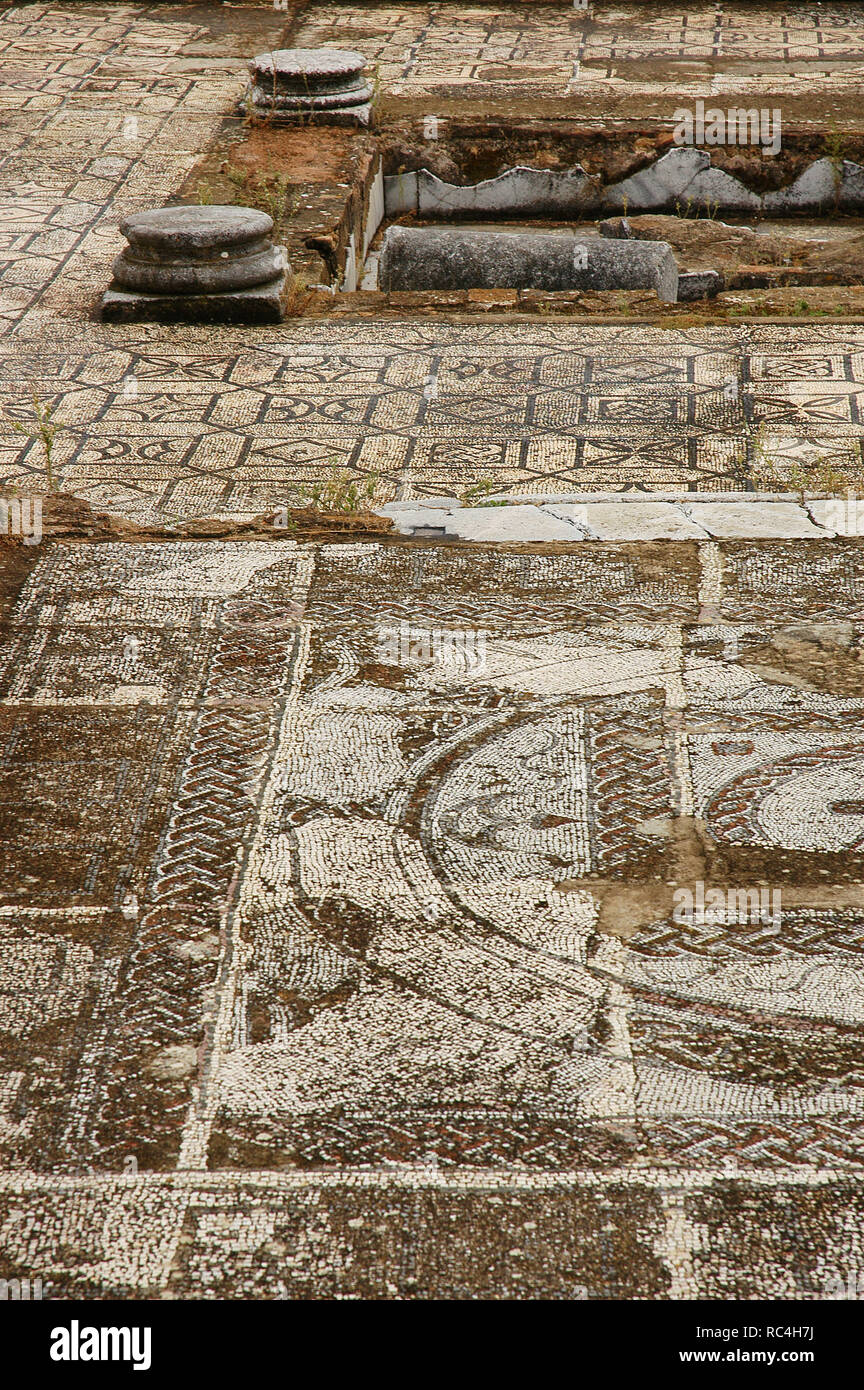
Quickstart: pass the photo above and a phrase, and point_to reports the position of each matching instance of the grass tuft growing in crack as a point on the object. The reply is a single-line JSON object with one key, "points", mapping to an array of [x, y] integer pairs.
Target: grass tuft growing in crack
{"points": [[341, 492], [819, 474]]}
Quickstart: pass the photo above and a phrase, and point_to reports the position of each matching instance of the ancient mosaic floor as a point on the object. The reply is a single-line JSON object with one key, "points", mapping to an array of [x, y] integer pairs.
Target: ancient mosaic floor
{"points": [[189, 422], [337, 947], [620, 60], [196, 421], [322, 952]]}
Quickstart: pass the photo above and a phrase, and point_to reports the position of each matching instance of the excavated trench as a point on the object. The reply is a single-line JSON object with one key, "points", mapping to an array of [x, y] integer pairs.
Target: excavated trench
{"points": [[430, 209]]}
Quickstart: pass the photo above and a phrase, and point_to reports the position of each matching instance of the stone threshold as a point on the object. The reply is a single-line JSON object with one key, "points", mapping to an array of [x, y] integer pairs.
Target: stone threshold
{"points": [[630, 516]]}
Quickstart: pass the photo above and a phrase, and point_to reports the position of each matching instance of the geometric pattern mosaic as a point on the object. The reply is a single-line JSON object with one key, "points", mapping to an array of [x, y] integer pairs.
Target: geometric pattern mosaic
{"points": [[192, 422], [161, 423], [631, 49]]}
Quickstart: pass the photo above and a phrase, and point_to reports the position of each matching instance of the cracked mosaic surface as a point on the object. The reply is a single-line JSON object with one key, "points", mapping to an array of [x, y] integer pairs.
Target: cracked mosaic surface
{"points": [[308, 931]]}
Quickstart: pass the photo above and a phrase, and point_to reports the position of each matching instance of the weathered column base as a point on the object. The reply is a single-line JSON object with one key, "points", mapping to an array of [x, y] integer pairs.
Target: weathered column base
{"points": [[258, 304], [326, 115], [309, 86]]}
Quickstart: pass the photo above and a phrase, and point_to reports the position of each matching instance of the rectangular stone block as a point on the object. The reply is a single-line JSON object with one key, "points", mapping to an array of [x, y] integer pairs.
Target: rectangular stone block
{"points": [[260, 304], [631, 521], [756, 520]]}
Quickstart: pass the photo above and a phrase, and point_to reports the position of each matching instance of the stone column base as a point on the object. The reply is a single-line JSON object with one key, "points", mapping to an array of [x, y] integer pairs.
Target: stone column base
{"points": [[269, 114], [260, 304]]}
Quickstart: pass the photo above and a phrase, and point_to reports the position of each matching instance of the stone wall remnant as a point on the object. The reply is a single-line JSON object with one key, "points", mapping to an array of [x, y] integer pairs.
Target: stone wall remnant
{"points": [[683, 180]]}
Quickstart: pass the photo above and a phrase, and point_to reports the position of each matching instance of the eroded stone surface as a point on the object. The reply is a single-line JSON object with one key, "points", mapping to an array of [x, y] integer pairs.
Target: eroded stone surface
{"points": [[511, 524], [631, 521], [179, 252], [757, 519], [196, 233], [678, 182], [198, 264], [517, 193]]}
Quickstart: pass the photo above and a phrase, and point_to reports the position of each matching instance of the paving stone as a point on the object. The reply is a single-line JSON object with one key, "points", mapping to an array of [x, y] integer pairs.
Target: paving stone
{"points": [[538, 407], [837, 515], [524, 523], [631, 521], [631, 56], [748, 519], [418, 503], [407, 519]]}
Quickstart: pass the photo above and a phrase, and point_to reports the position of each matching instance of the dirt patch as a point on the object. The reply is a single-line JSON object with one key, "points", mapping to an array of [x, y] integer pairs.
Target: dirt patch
{"points": [[825, 656], [469, 151], [782, 302], [735, 251], [16, 562], [302, 154], [72, 518], [627, 907], [313, 181]]}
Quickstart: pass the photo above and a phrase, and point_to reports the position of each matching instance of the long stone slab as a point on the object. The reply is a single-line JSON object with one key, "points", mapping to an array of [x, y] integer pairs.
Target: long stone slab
{"points": [[622, 518], [511, 524], [684, 175], [519, 192]]}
